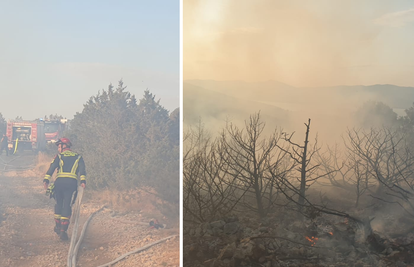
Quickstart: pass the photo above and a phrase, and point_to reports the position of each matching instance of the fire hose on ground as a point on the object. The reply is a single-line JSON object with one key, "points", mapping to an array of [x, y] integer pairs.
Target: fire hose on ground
{"points": [[136, 251], [73, 249], [76, 249], [75, 228], [7, 164]]}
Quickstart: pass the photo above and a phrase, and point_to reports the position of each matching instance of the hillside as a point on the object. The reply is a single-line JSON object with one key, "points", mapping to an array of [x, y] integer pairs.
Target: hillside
{"points": [[281, 94], [210, 105], [332, 109]]}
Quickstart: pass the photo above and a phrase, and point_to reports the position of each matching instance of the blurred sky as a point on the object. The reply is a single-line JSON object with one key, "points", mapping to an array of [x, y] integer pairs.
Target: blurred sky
{"points": [[54, 55], [301, 43]]}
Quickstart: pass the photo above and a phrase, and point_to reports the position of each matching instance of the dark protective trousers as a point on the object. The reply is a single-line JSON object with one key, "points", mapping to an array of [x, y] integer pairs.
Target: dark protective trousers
{"points": [[64, 190], [5, 148]]}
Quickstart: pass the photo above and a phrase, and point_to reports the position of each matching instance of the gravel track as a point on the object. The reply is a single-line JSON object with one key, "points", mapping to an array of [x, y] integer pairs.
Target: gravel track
{"points": [[26, 229]]}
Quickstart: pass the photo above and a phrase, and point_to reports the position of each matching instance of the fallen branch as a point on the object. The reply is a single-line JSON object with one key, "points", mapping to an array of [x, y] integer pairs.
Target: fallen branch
{"points": [[136, 251], [298, 258], [287, 239], [130, 222]]}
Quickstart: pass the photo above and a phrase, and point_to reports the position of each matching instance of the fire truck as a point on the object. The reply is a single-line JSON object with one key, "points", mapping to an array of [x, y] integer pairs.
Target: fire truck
{"points": [[26, 135], [54, 129]]}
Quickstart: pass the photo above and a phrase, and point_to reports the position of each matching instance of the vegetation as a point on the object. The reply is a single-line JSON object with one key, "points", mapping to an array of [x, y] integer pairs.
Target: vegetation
{"points": [[128, 144], [3, 125], [53, 117], [375, 114], [243, 170]]}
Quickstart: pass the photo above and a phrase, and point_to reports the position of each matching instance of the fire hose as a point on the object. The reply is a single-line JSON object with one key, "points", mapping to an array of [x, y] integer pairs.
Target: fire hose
{"points": [[73, 249], [7, 164], [76, 249], [137, 250], [15, 146], [70, 262]]}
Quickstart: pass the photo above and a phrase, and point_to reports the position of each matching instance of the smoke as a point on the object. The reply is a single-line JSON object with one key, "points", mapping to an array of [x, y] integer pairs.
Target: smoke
{"points": [[316, 45], [308, 46], [331, 110], [311, 44], [295, 55], [396, 19]]}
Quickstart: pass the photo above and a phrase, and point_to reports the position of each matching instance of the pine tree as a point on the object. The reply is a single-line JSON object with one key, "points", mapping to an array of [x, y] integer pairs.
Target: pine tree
{"points": [[126, 144]]}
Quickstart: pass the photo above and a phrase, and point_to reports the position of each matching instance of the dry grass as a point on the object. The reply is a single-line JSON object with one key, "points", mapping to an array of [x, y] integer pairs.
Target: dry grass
{"points": [[42, 163], [123, 201], [137, 200]]}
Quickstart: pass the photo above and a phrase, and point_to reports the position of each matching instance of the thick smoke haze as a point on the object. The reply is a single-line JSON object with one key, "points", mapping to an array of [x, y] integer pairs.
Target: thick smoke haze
{"points": [[331, 109], [347, 66], [307, 44], [297, 56]]}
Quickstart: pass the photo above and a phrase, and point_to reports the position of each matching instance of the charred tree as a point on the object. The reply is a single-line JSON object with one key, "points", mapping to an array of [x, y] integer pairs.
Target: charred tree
{"points": [[386, 156], [304, 162], [207, 193], [350, 173], [250, 158], [309, 169], [300, 156]]}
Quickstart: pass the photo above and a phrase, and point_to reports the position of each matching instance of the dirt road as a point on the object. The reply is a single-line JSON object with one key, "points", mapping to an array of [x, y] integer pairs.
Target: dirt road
{"points": [[27, 237]]}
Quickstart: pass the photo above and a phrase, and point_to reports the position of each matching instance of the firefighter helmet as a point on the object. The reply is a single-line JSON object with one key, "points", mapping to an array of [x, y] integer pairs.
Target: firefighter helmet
{"points": [[64, 141]]}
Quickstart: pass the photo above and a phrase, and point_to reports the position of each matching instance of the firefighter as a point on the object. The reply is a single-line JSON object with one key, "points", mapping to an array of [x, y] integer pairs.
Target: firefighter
{"points": [[69, 165], [4, 144]]}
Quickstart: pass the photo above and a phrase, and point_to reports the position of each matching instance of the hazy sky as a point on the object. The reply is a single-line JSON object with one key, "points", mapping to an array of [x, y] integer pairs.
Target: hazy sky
{"points": [[301, 43], [54, 55]]}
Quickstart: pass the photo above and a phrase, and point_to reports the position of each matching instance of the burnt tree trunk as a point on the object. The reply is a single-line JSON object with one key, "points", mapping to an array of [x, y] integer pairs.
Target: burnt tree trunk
{"points": [[302, 190], [259, 199]]}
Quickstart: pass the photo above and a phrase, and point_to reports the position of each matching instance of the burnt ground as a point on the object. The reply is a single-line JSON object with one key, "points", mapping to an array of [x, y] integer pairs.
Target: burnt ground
{"points": [[26, 227], [382, 237]]}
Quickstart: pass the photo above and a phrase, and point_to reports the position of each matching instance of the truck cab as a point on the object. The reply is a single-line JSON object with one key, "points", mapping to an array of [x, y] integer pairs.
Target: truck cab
{"points": [[54, 129]]}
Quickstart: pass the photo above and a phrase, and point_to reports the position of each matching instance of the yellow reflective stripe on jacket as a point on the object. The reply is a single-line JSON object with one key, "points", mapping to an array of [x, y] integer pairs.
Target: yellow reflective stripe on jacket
{"points": [[67, 174], [72, 173], [47, 177], [83, 177], [60, 164], [75, 165]]}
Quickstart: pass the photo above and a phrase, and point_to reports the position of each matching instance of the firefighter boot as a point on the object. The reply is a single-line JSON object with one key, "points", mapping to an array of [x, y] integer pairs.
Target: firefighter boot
{"points": [[64, 225], [57, 226], [63, 235]]}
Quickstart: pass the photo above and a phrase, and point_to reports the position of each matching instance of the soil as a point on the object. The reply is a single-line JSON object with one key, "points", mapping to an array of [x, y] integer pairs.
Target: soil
{"points": [[26, 227]]}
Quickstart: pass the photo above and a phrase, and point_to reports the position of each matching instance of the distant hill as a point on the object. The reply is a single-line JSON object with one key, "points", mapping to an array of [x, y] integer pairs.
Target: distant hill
{"points": [[392, 95], [210, 105], [273, 92], [261, 92], [332, 109]]}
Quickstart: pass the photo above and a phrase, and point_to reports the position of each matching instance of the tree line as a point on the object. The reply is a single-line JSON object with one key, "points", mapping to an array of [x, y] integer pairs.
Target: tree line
{"points": [[128, 143], [241, 169]]}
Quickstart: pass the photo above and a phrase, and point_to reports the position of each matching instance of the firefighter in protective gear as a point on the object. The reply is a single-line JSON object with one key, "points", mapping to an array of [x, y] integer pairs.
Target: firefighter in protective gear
{"points": [[69, 165], [3, 144]]}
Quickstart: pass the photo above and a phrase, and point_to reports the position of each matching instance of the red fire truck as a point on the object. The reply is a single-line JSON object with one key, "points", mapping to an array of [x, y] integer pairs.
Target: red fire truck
{"points": [[54, 129], [26, 135]]}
